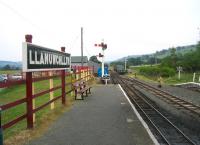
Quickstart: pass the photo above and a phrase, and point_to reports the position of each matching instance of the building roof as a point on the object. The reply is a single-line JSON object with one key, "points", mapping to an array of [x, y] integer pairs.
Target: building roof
{"points": [[77, 59]]}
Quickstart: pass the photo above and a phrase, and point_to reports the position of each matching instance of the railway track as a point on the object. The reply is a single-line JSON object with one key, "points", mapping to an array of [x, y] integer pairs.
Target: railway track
{"points": [[167, 97], [163, 129]]}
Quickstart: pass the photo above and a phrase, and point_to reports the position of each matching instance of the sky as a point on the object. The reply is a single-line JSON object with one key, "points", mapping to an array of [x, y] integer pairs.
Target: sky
{"points": [[128, 27]]}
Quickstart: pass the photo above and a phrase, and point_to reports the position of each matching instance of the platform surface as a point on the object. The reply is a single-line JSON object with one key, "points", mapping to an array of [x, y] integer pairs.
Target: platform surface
{"points": [[104, 118]]}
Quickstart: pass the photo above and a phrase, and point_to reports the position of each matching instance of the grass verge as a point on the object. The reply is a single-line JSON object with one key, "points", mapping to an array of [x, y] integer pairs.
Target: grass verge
{"points": [[9, 71], [17, 132], [185, 77]]}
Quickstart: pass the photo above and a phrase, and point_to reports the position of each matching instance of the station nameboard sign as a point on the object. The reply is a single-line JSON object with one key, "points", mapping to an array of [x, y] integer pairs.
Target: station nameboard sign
{"points": [[37, 58]]}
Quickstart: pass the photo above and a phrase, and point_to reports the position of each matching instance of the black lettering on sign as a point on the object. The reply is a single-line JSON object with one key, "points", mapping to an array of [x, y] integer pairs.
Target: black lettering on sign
{"points": [[37, 58]]}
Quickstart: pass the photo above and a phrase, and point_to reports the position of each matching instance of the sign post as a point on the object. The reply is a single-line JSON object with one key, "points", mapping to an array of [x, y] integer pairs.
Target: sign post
{"points": [[38, 58], [29, 91], [63, 81]]}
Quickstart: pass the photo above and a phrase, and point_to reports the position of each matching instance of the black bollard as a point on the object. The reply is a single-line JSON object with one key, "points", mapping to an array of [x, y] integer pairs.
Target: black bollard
{"points": [[1, 130]]}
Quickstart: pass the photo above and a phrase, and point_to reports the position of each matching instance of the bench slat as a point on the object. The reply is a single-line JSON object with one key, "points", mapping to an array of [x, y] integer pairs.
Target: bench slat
{"points": [[81, 87]]}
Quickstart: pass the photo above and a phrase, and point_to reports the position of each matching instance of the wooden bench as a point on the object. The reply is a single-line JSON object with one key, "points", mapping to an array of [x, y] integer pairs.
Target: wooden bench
{"points": [[81, 87]]}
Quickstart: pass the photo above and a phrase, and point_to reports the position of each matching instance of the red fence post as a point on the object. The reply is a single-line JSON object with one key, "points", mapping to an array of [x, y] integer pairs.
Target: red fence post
{"points": [[1, 130], [63, 81], [29, 93]]}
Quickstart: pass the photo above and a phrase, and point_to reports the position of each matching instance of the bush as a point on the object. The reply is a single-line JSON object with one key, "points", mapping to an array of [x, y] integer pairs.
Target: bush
{"points": [[167, 72], [155, 71], [149, 71]]}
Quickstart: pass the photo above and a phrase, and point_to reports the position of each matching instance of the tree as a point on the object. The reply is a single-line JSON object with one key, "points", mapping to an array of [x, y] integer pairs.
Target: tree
{"points": [[7, 67], [173, 56], [94, 59], [135, 61]]}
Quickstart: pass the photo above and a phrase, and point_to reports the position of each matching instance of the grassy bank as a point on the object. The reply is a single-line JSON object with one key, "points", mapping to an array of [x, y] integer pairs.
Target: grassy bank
{"points": [[185, 77], [18, 92], [10, 71]]}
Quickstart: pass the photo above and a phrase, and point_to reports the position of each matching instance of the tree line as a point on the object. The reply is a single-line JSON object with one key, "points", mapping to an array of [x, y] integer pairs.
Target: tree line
{"points": [[190, 62], [167, 66]]}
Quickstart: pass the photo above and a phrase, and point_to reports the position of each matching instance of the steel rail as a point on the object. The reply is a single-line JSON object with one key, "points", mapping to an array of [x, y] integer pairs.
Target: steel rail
{"points": [[174, 99], [154, 125], [151, 106], [130, 90]]}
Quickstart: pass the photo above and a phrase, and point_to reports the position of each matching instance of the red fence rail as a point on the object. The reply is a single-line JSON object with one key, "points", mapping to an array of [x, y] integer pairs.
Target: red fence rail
{"points": [[28, 79], [28, 99]]}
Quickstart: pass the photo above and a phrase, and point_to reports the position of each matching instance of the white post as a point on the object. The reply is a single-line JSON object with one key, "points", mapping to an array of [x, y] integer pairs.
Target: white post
{"points": [[179, 74], [194, 77], [125, 64], [102, 64], [179, 69]]}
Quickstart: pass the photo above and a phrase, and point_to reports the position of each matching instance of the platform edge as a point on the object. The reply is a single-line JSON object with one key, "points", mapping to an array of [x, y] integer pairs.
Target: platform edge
{"points": [[140, 118]]}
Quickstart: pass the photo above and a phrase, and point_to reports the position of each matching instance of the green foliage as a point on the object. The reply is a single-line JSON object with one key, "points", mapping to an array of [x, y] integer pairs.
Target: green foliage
{"points": [[166, 61], [149, 71], [167, 72], [188, 57], [14, 93], [94, 59], [155, 71], [114, 63], [190, 61], [7, 67], [135, 61]]}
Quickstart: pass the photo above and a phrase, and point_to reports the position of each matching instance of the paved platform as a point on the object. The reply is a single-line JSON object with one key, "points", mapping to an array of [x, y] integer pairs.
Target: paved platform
{"points": [[103, 118]]}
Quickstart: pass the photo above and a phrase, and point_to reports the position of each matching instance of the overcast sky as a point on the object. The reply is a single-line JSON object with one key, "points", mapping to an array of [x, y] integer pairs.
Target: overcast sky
{"points": [[129, 27]]}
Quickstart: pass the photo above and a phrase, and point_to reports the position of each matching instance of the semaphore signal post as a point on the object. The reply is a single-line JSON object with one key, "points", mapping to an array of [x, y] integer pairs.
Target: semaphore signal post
{"points": [[104, 47]]}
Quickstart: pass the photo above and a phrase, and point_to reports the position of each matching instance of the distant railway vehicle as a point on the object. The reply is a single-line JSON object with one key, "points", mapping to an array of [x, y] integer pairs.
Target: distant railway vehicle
{"points": [[120, 69], [99, 72]]}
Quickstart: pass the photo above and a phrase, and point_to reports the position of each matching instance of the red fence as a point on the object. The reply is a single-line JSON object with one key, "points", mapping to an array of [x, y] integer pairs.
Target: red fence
{"points": [[79, 73]]}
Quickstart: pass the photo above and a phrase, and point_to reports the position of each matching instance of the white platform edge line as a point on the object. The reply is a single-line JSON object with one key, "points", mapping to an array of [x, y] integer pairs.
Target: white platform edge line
{"points": [[140, 118]]}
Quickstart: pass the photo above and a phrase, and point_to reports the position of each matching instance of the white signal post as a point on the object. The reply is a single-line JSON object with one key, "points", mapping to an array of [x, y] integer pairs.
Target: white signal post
{"points": [[194, 75], [102, 64], [104, 47]]}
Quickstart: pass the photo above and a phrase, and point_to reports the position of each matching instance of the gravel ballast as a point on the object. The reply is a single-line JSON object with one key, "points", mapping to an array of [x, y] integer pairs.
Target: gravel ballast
{"points": [[183, 93]]}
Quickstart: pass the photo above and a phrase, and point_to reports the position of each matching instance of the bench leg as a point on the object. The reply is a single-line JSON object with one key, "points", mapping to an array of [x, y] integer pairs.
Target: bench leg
{"points": [[82, 97], [75, 94], [86, 93]]}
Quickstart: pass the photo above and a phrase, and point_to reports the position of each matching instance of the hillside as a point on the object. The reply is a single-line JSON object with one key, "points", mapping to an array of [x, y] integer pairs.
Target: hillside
{"points": [[179, 50], [161, 54], [10, 63]]}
